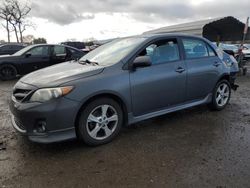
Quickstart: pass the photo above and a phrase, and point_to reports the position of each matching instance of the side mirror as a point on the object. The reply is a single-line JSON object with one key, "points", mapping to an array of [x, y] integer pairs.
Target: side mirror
{"points": [[27, 55], [142, 61]]}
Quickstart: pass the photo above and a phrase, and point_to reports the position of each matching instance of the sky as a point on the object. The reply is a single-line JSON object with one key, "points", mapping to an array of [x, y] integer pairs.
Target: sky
{"points": [[61, 20]]}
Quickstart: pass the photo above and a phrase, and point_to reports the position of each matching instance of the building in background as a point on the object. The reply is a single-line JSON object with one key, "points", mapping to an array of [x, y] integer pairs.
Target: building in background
{"points": [[224, 29]]}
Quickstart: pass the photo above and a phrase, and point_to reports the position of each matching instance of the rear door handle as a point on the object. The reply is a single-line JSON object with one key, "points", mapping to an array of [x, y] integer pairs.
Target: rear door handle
{"points": [[180, 70], [216, 64]]}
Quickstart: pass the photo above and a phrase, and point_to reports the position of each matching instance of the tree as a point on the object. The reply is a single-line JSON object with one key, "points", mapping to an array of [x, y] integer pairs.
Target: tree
{"points": [[2, 41], [19, 15], [5, 14], [28, 39], [15, 13], [40, 41]]}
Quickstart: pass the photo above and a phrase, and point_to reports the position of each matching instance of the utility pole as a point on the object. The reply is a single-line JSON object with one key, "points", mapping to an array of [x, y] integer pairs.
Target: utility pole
{"points": [[240, 60], [245, 31]]}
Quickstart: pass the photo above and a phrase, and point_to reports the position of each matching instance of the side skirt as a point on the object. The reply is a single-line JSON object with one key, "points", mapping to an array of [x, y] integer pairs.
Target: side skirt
{"points": [[134, 119]]}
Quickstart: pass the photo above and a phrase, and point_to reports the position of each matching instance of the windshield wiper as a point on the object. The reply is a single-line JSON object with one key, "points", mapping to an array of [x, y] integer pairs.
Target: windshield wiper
{"points": [[88, 62]]}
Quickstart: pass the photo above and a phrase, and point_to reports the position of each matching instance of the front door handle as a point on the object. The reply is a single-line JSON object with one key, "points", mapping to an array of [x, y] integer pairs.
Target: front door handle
{"points": [[216, 64], [180, 70]]}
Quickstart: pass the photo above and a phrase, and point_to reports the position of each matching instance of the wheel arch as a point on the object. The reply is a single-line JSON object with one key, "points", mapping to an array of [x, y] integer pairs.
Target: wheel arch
{"points": [[12, 64], [224, 77], [113, 96]]}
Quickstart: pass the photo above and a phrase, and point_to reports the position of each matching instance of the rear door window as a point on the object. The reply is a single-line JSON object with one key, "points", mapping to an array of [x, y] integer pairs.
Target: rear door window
{"points": [[195, 48], [59, 50]]}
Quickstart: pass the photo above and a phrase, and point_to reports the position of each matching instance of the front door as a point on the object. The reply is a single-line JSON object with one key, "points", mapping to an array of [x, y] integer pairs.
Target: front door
{"points": [[161, 85], [36, 58]]}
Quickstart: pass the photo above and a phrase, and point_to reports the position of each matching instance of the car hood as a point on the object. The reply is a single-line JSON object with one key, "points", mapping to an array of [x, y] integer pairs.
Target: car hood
{"points": [[58, 74]]}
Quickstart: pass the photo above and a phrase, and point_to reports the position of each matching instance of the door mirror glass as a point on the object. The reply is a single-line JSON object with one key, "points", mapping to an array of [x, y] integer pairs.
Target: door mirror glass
{"points": [[142, 61]]}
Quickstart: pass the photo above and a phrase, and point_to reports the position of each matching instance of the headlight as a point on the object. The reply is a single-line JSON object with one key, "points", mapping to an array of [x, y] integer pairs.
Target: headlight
{"points": [[42, 95]]}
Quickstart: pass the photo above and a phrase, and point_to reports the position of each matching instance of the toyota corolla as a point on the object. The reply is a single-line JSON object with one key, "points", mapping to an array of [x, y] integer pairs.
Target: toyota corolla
{"points": [[120, 83]]}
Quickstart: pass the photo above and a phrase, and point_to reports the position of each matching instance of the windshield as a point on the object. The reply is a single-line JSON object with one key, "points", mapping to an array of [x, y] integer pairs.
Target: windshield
{"points": [[113, 52], [22, 51]]}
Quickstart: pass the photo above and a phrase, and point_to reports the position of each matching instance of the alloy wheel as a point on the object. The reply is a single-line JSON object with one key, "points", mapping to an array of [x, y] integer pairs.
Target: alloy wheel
{"points": [[7, 72], [102, 122], [222, 94]]}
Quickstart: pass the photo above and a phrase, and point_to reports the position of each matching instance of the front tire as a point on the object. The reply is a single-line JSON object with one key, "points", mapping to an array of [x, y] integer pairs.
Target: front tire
{"points": [[7, 72], [221, 95], [100, 122]]}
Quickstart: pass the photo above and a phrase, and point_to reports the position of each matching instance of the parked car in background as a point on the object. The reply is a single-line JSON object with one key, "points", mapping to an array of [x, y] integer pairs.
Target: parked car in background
{"points": [[231, 49], [246, 51], [78, 45], [10, 48], [122, 82], [35, 57]]}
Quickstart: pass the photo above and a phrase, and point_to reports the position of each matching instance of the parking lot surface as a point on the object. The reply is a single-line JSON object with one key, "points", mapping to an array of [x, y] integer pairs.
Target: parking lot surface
{"points": [[190, 148]]}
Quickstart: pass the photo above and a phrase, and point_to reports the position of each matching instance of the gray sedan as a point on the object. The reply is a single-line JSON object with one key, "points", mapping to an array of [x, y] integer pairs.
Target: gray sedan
{"points": [[122, 82]]}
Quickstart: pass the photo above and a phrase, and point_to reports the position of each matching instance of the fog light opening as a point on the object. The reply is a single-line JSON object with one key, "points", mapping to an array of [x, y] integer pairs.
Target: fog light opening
{"points": [[40, 127]]}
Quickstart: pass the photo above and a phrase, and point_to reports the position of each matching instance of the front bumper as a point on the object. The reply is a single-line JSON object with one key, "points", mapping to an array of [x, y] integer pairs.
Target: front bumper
{"points": [[58, 117]]}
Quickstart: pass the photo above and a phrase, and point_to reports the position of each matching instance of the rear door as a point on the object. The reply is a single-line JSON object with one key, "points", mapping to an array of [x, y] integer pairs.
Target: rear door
{"points": [[59, 54], [203, 68], [161, 85]]}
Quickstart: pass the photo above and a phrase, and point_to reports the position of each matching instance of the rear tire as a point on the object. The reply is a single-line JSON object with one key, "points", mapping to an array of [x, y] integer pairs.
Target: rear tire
{"points": [[7, 72], [100, 122], [221, 95]]}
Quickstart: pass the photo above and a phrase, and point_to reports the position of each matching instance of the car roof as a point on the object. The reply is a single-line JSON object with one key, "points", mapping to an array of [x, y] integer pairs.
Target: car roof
{"points": [[12, 44], [162, 35], [157, 35], [35, 45]]}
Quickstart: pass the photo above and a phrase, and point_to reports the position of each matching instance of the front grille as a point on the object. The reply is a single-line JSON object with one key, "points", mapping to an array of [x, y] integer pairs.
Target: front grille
{"points": [[21, 94], [19, 124]]}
